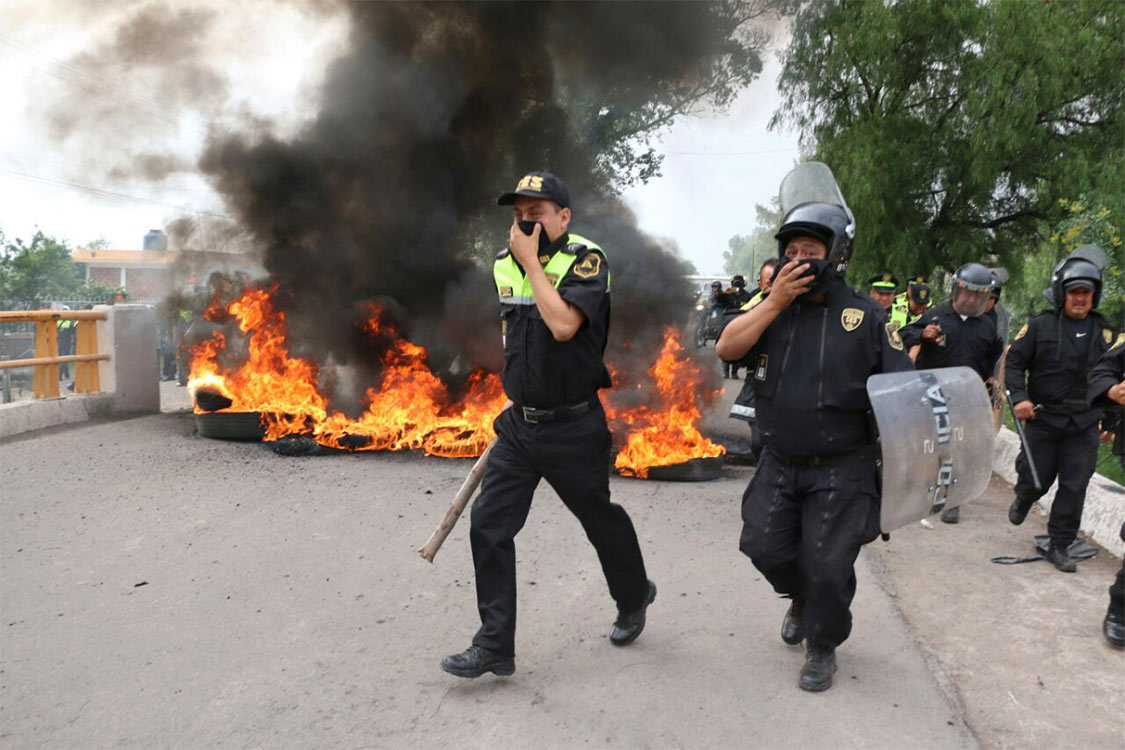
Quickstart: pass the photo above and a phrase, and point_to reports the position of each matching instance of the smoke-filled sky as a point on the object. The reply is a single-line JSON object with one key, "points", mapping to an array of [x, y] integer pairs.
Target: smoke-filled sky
{"points": [[272, 60]]}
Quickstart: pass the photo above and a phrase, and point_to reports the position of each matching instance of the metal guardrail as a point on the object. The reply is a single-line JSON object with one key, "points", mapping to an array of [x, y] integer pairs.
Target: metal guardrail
{"points": [[47, 360]]}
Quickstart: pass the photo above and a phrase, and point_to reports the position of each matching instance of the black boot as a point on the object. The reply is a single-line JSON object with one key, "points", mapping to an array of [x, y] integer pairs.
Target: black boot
{"points": [[820, 664], [630, 624], [475, 661], [1061, 559], [1018, 511], [793, 626], [952, 515], [1114, 625]]}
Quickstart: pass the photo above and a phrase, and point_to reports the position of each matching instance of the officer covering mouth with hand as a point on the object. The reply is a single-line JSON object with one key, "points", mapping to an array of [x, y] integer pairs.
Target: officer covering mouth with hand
{"points": [[553, 288], [811, 346]]}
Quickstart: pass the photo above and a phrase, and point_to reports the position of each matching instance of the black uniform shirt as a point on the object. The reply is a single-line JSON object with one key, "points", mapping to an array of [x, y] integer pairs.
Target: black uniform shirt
{"points": [[969, 342], [544, 373], [809, 370], [1046, 366]]}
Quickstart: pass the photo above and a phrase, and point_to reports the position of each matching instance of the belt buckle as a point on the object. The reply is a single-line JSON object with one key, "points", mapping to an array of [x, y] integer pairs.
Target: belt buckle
{"points": [[529, 415]]}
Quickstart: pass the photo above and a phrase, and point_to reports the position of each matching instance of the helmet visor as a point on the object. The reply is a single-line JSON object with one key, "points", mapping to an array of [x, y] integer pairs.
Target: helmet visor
{"points": [[970, 301]]}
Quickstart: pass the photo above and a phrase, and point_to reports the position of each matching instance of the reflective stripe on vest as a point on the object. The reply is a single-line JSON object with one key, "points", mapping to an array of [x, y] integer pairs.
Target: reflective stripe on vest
{"points": [[753, 301], [513, 286]]}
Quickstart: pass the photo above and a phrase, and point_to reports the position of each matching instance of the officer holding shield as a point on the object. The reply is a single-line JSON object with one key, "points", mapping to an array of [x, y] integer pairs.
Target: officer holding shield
{"points": [[811, 346]]}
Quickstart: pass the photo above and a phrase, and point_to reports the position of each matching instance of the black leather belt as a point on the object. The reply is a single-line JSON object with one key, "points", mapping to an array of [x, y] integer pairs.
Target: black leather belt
{"points": [[538, 416], [864, 452]]}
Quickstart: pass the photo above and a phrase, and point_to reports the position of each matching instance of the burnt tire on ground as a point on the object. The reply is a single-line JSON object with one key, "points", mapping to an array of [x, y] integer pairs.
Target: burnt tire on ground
{"points": [[230, 425]]}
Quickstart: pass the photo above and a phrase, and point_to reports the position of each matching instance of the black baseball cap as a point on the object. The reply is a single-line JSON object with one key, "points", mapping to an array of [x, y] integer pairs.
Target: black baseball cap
{"points": [[538, 185]]}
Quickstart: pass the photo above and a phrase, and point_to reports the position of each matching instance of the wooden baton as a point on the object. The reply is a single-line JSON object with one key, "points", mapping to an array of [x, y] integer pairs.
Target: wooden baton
{"points": [[449, 520]]}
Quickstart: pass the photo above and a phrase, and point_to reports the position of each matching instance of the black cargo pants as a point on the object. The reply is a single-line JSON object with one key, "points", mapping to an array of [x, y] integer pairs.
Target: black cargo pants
{"points": [[573, 456], [1069, 453], [803, 527]]}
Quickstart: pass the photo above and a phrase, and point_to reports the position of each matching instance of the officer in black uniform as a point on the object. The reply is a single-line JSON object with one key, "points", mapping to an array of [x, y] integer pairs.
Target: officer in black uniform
{"points": [[957, 333], [555, 306], [1046, 373], [1107, 389], [814, 500]]}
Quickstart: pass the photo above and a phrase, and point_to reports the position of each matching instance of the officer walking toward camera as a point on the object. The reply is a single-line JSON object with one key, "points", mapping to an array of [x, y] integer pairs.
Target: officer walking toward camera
{"points": [[957, 333], [910, 305], [553, 288], [1046, 373], [810, 346]]}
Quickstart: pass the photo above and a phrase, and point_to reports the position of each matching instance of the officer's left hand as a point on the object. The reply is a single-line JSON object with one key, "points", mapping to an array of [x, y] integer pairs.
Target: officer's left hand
{"points": [[525, 248], [1117, 393]]}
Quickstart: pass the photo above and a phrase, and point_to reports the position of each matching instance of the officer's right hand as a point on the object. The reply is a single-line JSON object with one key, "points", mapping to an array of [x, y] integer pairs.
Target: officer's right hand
{"points": [[931, 332], [790, 284], [1025, 410]]}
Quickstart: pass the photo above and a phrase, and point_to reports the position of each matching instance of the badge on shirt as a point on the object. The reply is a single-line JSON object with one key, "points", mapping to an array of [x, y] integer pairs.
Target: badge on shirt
{"points": [[1022, 333], [893, 338], [589, 266], [851, 318], [1107, 334], [505, 291]]}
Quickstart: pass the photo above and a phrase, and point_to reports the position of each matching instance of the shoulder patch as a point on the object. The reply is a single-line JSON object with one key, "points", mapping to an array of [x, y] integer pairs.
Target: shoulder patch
{"points": [[589, 266], [1022, 333], [892, 336], [851, 318], [1107, 335]]}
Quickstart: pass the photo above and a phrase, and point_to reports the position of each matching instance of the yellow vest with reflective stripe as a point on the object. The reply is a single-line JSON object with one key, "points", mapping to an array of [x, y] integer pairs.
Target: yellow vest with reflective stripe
{"points": [[513, 286], [753, 301]]}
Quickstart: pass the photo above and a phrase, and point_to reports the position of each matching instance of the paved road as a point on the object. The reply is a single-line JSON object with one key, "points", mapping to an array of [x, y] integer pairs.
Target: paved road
{"points": [[160, 589]]}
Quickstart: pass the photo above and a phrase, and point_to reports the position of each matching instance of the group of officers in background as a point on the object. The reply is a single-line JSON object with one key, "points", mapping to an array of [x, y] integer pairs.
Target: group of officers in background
{"points": [[809, 507]]}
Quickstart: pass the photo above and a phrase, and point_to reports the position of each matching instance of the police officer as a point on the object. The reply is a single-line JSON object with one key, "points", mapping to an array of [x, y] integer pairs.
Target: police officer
{"points": [[554, 296], [743, 406], [881, 287], [910, 305], [737, 292], [814, 500], [1046, 373], [956, 333], [1107, 389]]}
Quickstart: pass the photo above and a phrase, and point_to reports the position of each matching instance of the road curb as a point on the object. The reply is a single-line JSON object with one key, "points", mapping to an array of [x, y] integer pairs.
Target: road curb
{"points": [[1105, 500]]}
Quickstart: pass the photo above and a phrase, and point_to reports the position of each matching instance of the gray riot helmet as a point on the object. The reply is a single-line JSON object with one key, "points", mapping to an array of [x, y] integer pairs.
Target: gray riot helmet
{"points": [[1083, 267], [972, 288], [813, 206]]}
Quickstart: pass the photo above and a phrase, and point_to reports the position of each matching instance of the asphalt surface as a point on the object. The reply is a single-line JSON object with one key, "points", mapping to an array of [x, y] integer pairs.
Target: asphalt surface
{"points": [[158, 589]]}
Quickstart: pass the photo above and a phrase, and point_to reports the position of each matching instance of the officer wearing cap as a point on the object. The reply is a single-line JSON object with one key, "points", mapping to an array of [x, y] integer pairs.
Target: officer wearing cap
{"points": [[910, 305], [1046, 373], [554, 292], [810, 347], [881, 287]]}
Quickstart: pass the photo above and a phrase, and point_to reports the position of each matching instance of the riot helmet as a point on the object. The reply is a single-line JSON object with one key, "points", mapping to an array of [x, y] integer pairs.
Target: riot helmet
{"points": [[738, 282], [813, 206], [1077, 270], [972, 289]]}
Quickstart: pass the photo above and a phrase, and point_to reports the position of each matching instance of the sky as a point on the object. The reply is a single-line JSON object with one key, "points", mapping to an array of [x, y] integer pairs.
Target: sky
{"points": [[716, 166]]}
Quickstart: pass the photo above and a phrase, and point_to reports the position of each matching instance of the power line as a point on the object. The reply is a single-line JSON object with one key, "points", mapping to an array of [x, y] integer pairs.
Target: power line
{"points": [[109, 193], [123, 94]]}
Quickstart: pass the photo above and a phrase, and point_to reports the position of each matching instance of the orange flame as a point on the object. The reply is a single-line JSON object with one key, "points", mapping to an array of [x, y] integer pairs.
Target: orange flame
{"points": [[411, 408], [667, 432]]}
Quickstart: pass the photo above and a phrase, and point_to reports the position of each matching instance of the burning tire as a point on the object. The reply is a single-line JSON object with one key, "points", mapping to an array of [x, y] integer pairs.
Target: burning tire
{"points": [[693, 470], [230, 425]]}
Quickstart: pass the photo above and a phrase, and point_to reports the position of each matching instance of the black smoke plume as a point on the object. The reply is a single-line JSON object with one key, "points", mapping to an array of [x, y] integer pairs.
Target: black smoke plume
{"points": [[435, 109]]}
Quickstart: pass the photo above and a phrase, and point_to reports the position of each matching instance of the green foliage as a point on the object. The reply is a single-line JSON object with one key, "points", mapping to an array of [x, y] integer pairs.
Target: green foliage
{"points": [[621, 125], [955, 128], [748, 252], [31, 273]]}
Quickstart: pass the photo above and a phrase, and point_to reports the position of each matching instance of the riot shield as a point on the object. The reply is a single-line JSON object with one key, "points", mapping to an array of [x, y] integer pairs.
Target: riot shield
{"points": [[935, 431]]}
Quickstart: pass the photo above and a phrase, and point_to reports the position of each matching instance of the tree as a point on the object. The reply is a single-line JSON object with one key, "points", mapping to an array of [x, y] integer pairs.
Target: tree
{"points": [[955, 128], [748, 252], [37, 271]]}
